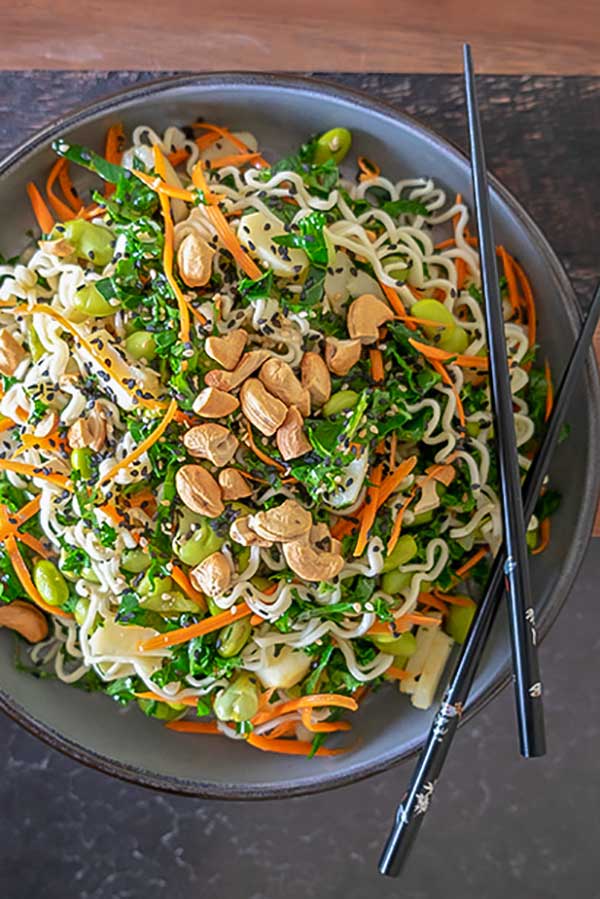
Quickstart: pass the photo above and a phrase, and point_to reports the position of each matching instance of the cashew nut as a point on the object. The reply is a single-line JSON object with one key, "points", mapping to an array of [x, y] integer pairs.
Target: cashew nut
{"points": [[316, 378], [214, 403], [211, 441], [286, 522], [25, 619], [194, 258], [241, 532], [261, 408], [291, 439], [233, 484], [88, 432], [11, 353], [199, 491], [227, 350], [229, 380], [213, 575], [341, 355], [317, 559], [365, 316], [280, 380]]}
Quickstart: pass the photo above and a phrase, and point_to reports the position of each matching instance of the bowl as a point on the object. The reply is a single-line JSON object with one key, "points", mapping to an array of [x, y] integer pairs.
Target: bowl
{"points": [[282, 112]]}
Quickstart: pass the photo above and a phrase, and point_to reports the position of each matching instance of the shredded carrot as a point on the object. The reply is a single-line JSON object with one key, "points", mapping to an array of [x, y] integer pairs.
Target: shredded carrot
{"points": [[191, 701], [368, 169], [143, 447], [206, 626], [53, 443], [66, 185], [64, 212], [33, 543], [454, 599], [6, 424], [40, 210], [24, 577], [256, 620], [472, 562], [396, 304], [313, 701], [320, 727], [445, 244], [113, 150], [549, 391], [283, 729], [376, 358], [231, 243], [178, 156], [160, 186], [28, 511], [183, 581], [509, 274], [288, 747], [461, 272], [398, 523], [393, 481], [89, 348], [260, 454], [343, 527], [529, 302], [168, 253], [433, 352], [216, 132], [403, 623], [544, 537], [193, 727], [397, 673], [237, 160], [369, 510], [36, 471]]}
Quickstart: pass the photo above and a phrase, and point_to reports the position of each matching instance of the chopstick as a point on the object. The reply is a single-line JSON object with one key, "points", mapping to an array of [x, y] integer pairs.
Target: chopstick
{"points": [[528, 686], [411, 812]]}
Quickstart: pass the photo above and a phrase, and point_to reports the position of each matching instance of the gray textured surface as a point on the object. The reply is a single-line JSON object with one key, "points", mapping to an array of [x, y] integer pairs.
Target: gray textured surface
{"points": [[500, 825]]}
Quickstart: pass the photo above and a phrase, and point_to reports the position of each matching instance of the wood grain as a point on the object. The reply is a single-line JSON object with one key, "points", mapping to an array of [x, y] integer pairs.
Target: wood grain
{"points": [[541, 139], [516, 36]]}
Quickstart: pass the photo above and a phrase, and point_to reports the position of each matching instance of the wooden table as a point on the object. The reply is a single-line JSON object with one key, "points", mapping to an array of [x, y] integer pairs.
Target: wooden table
{"points": [[542, 138]]}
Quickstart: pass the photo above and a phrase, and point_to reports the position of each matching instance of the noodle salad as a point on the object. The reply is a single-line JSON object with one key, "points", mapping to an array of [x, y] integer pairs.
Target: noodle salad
{"points": [[247, 465]]}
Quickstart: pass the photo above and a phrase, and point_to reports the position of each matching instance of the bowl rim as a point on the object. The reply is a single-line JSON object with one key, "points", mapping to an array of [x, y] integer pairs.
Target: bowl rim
{"points": [[325, 779]]}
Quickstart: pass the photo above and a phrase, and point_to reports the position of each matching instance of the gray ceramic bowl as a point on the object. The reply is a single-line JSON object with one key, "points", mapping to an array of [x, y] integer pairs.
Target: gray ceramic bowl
{"points": [[283, 111]]}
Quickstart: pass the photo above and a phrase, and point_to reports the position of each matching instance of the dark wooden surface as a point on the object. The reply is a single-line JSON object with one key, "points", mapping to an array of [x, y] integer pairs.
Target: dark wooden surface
{"points": [[513, 36], [500, 826]]}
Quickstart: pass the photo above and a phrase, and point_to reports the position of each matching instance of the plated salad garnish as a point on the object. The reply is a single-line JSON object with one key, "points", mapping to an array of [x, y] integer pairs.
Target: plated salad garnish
{"points": [[247, 463]]}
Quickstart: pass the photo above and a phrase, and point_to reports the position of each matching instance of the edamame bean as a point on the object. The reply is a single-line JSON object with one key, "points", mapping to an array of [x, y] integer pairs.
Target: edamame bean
{"points": [[51, 585], [334, 144], [261, 583], [455, 341], [239, 701], [458, 621], [473, 428], [434, 311], [135, 560], [168, 603], [35, 345], [213, 608], [340, 401], [404, 645], [141, 345], [233, 638], [89, 301], [81, 609], [422, 518], [93, 242], [243, 558], [88, 574], [203, 543], [81, 461], [393, 582], [402, 553], [531, 538], [402, 272], [151, 587], [164, 711]]}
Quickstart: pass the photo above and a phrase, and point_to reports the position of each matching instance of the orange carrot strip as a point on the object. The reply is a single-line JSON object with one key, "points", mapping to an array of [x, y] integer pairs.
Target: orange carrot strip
{"points": [[192, 701], [113, 150], [183, 581], [397, 673], [396, 304], [64, 212], [398, 523], [529, 302], [470, 563], [66, 185], [445, 244], [36, 471], [40, 210], [393, 481], [549, 391], [454, 599], [289, 747], [27, 511], [24, 577], [157, 184], [216, 132], [343, 527], [237, 160], [544, 537], [320, 727], [178, 156], [369, 170], [33, 543], [314, 701], [431, 601], [183, 634], [369, 510], [193, 727], [6, 424], [376, 358], [432, 352], [509, 274], [145, 445], [231, 243]]}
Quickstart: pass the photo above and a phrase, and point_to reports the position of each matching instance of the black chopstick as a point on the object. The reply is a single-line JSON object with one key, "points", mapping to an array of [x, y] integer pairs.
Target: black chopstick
{"points": [[410, 814], [528, 687]]}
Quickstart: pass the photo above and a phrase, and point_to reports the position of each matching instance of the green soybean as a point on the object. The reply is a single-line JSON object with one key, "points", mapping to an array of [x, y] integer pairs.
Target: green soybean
{"points": [[473, 428], [81, 609], [89, 301], [93, 242], [213, 608], [404, 645], [243, 558], [334, 144], [531, 538], [141, 345], [340, 401], [35, 344], [52, 586], [422, 518], [156, 586], [239, 701], [81, 461], [455, 341], [458, 621], [233, 638], [164, 711], [402, 272], [88, 574], [203, 543], [135, 560], [404, 550], [393, 582], [261, 583], [434, 311]]}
